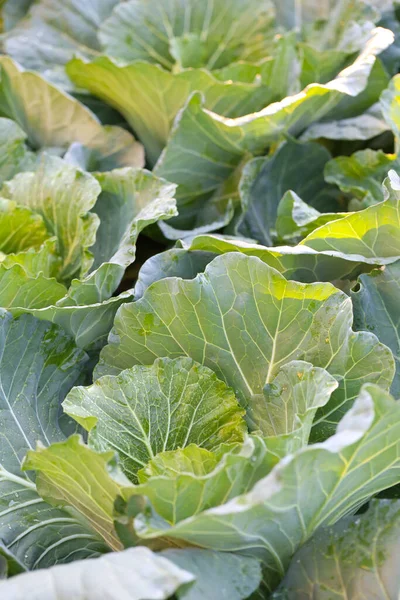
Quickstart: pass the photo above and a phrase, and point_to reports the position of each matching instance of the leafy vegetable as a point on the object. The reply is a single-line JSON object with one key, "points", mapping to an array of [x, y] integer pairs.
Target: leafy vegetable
{"points": [[199, 291]]}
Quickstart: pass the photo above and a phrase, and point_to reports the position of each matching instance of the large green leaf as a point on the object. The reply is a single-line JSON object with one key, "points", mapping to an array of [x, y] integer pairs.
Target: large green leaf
{"points": [[130, 201], [314, 487], [150, 97], [136, 574], [187, 33], [362, 174], [89, 324], [63, 196], [356, 559], [298, 263], [376, 308], [70, 474], [52, 118], [245, 321], [147, 410], [295, 166], [38, 366], [219, 576], [372, 233]]}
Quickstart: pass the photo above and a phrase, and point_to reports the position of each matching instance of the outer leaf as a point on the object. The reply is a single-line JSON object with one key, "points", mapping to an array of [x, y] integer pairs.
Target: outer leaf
{"points": [[355, 559], [136, 574], [314, 487], [362, 174], [150, 97], [38, 366], [371, 233], [51, 118], [296, 167], [298, 263], [245, 321], [376, 309], [147, 410], [89, 324], [219, 576], [63, 196], [130, 200], [72, 475], [188, 33]]}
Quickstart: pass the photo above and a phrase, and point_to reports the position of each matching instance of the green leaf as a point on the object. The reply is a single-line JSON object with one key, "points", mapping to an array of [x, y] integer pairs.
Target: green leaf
{"points": [[149, 97], [362, 127], [44, 260], [131, 199], [176, 262], [290, 402], [298, 263], [19, 291], [219, 576], [13, 11], [390, 105], [242, 319], [20, 228], [52, 118], [136, 574], [376, 309], [182, 483], [54, 30], [312, 488], [89, 324], [14, 156], [295, 219], [372, 233], [188, 34], [39, 364], [354, 559], [296, 167], [9, 565], [147, 410], [63, 196], [362, 174], [70, 474]]}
